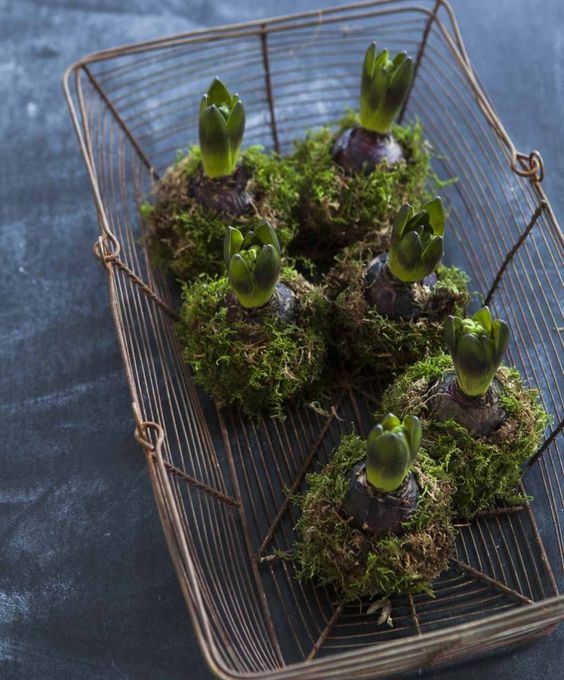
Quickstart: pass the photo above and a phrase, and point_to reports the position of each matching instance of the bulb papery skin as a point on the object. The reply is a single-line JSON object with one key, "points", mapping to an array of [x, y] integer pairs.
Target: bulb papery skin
{"points": [[283, 304], [226, 196], [480, 415], [358, 150], [391, 297], [379, 513]]}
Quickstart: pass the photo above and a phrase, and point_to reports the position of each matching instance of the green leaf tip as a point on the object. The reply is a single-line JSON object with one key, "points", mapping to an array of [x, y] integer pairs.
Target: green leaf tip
{"points": [[477, 345], [391, 449], [384, 86], [253, 264], [416, 245], [221, 129]]}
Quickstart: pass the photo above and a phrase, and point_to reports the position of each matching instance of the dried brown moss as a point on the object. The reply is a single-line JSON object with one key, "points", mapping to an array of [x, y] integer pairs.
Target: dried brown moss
{"points": [[331, 551]]}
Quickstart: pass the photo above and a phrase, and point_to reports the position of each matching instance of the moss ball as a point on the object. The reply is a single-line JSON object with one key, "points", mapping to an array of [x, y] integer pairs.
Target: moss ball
{"points": [[333, 552], [337, 209], [363, 339], [187, 237], [485, 470], [251, 358]]}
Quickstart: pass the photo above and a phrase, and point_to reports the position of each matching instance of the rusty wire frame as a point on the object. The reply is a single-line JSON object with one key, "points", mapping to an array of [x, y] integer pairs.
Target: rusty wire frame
{"points": [[220, 482]]}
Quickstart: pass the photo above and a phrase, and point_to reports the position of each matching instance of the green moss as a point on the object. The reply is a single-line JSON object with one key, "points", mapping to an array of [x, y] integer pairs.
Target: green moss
{"points": [[252, 359], [188, 237], [331, 551], [336, 209], [364, 340], [484, 470]]}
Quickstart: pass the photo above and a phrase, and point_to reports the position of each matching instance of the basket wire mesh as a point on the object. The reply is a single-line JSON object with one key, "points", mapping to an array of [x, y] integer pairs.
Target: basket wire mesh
{"points": [[221, 482]]}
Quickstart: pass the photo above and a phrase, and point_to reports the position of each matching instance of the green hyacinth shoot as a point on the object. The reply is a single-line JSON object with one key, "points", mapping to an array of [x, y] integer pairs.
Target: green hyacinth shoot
{"points": [[477, 346], [391, 449], [384, 86], [222, 123], [253, 264], [416, 246]]}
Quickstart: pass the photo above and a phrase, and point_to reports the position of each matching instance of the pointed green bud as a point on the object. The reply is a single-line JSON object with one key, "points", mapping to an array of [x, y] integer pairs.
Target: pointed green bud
{"points": [[267, 271], [402, 217], [231, 244], [398, 89], [204, 103], [235, 129], [384, 86], [369, 59], [249, 240], [406, 255], [435, 211], [218, 94], [431, 256], [390, 422], [484, 317], [253, 264], [477, 346], [413, 433], [391, 449], [416, 244], [221, 128], [214, 141], [399, 58], [266, 234], [501, 339], [240, 277]]}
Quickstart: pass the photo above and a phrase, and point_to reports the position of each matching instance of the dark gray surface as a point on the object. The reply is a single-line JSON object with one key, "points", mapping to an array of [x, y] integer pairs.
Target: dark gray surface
{"points": [[87, 588]]}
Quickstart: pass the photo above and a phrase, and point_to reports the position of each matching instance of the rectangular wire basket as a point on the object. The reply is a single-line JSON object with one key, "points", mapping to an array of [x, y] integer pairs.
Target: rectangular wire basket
{"points": [[220, 482]]}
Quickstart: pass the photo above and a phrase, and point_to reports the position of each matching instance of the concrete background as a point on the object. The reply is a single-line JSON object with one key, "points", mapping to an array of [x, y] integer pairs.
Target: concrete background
{"points": [[87, 588]]}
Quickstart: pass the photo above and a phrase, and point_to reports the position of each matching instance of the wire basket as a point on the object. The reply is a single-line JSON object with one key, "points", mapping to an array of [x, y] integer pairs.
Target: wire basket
{"points": [[221, 482]]}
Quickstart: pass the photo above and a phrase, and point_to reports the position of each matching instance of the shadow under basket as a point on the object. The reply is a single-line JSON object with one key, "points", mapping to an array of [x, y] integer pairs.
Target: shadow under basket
{"points": [[221, 482]]}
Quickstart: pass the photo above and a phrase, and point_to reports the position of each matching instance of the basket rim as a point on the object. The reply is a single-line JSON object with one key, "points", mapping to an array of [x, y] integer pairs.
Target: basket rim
{"points": [[433, 643], [262, 24], [525, 165]]}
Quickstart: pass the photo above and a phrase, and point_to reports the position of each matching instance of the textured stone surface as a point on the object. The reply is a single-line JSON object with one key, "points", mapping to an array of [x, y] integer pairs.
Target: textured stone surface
{"points": [[87, 589]]}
